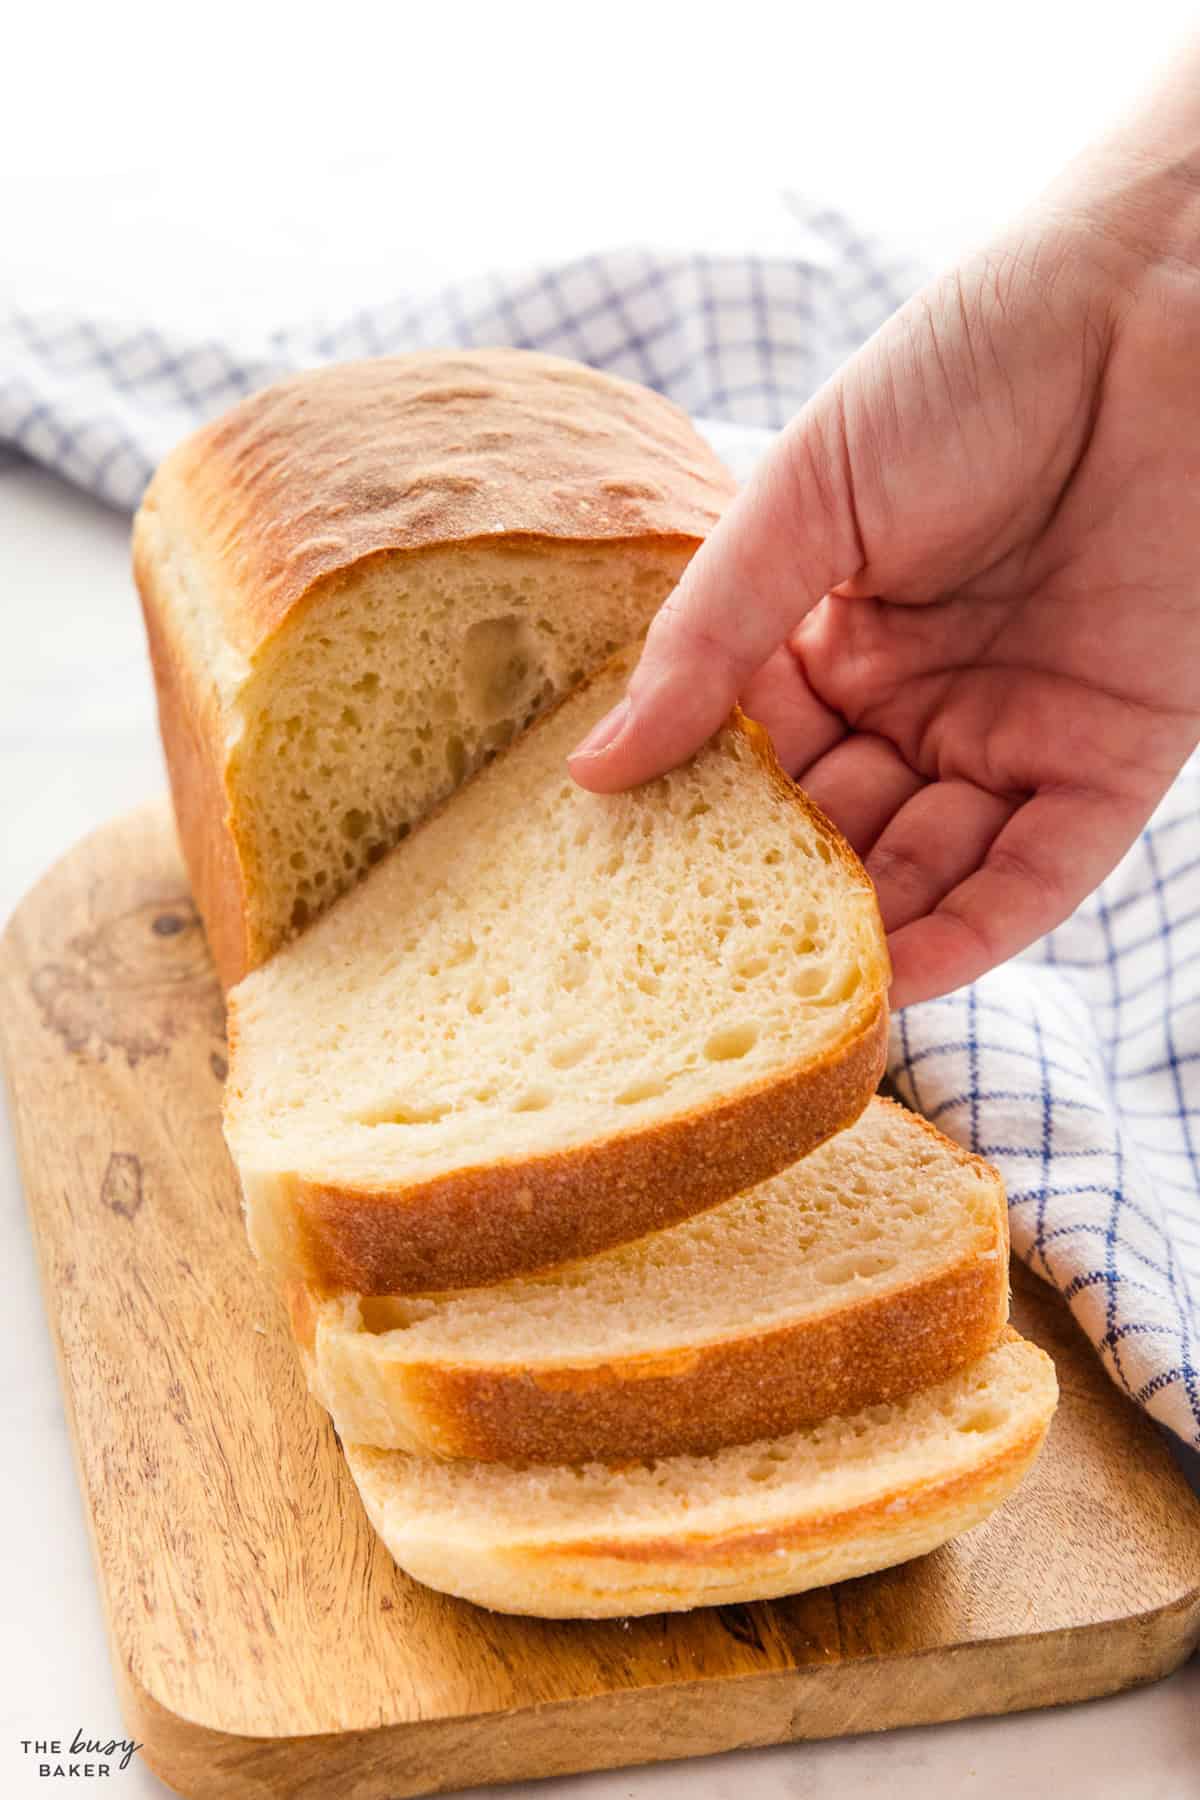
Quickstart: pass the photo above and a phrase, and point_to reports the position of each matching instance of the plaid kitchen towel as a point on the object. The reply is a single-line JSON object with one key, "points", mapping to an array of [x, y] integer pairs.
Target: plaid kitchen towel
{"points": [[732, 339], [1074, 1068]]}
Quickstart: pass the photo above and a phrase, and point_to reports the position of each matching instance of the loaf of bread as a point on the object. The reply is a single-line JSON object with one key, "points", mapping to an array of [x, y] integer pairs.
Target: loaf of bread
{"points": [[867, 1270], [361, 582], [552, 1021], [840, 1499], [608, 1054]]}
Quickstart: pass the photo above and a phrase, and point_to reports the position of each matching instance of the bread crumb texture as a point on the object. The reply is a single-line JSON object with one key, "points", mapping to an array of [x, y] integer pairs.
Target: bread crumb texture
{"points": [[397, 687], [540, 967], [374, 574]]}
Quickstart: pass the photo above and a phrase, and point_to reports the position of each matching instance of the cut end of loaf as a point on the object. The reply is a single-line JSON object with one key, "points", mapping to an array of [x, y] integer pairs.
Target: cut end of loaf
{"points": [[360, 582], [395, 687]]}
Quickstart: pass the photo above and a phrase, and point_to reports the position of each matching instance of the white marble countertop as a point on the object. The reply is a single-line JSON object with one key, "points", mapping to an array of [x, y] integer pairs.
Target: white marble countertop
{"points": [[128, 200]]}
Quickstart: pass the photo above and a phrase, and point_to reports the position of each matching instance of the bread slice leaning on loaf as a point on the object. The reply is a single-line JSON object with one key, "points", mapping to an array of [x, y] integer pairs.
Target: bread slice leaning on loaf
{"points": [[840, 1499], [552, 1021], [361, 582], [867, 1270]]}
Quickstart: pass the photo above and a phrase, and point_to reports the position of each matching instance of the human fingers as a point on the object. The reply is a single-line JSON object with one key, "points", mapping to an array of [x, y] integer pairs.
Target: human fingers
{"points": [[801, 727], [861, 783], [1053, 852], [789, 536], [935, 841]]}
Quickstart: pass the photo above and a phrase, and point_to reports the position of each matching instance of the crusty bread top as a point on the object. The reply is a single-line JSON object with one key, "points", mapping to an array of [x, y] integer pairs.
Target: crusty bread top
{"points": [[306, 479]]}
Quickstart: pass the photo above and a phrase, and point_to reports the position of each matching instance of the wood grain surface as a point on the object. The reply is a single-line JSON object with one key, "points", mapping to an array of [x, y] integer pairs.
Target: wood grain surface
{"points": [[264, 1643]]}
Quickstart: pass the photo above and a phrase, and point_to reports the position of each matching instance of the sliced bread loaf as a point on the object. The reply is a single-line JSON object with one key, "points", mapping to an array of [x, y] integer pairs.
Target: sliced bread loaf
{"points": [[839, 1499], [867, 1270], [359, 583], [552, 1021]]}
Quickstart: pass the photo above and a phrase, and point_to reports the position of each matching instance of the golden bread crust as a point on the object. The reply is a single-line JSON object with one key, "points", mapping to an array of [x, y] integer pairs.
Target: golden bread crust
{"points": [[192, 731], [695, 1401], [485, 1223], [303, 481], [689, 1398]]}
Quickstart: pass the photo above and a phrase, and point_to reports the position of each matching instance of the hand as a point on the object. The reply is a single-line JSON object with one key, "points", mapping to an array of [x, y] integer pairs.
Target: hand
{"points": [[963, 591]]}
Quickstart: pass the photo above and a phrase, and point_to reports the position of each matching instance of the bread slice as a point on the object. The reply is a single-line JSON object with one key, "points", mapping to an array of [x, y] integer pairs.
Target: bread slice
{"points": [[553, 1021], [867, 1270], [839, 1499], [359, 583]]}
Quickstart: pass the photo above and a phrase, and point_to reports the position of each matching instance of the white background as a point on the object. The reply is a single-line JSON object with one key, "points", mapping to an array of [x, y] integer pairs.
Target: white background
{"points": [[269, 161], [216, 165]]}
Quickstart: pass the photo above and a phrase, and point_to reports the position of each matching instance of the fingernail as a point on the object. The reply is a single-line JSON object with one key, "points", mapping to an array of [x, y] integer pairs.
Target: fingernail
{"points": [[603, 735]]}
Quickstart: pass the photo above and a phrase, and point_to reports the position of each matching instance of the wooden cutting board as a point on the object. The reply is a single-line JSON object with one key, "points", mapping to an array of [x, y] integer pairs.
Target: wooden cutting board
{"points": [[264, 1643]]}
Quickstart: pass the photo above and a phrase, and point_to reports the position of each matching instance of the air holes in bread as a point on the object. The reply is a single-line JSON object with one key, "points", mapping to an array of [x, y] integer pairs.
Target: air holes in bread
{"points": [[401, 1113], [859, 1265], [732, 1042], [567, 1055], [535, 1099], [456, 757], [390, 1312], [499, 668], [809, 983], [983, 1418], [649, 1088]]}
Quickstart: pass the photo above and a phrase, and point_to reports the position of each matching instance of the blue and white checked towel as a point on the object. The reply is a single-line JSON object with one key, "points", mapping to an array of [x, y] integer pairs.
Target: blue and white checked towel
{"points": [[1075, 1068]]}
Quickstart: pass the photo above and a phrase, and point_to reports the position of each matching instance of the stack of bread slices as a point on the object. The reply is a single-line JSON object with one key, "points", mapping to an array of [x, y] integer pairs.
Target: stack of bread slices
{"points": [[554, 1113]]}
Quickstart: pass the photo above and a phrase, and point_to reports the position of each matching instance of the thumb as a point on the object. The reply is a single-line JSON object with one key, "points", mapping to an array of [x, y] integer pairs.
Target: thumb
{"points": [[788, 537]]}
